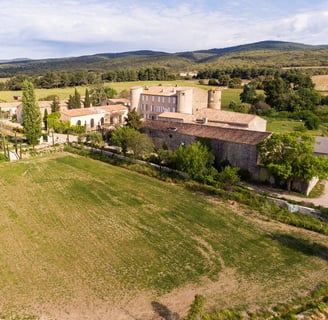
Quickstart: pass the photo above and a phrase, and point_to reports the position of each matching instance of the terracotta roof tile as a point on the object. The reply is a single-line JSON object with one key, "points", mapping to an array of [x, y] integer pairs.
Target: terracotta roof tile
{"points": [[224, 134]]}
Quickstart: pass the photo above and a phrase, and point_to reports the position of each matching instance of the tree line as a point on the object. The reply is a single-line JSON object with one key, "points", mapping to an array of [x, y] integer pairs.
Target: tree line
{"points": [[80, 78]]}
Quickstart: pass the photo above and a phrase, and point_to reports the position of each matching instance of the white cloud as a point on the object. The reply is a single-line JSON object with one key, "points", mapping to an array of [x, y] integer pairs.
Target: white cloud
{"points": [[41, 28]]}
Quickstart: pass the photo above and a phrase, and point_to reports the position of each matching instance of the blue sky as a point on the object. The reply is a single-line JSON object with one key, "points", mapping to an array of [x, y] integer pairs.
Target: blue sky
{"points": [[63, 28]]}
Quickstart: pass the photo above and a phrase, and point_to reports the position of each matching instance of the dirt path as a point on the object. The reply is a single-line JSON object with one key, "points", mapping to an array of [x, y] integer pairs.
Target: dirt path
{"points": [[321, 201]]}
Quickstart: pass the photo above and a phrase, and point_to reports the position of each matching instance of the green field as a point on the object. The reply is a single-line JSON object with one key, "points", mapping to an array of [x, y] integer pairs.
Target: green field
{"points": [[63, 93], [81, 239]]}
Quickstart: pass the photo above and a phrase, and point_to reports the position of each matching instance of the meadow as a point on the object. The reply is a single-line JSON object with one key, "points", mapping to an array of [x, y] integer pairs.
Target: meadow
{"points": [[83, 239]]}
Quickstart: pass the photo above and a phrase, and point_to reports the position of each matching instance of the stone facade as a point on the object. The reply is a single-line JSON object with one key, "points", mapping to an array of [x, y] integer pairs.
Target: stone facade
{"points": [[149, 102], [236, 146]]}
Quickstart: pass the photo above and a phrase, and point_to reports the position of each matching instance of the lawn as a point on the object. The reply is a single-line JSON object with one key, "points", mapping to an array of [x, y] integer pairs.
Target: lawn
{"points": [[82, 239]]}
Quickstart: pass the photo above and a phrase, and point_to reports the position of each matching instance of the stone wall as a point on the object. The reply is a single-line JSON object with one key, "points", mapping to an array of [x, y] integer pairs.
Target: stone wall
{"points": [[239, 155], [243, 156]]}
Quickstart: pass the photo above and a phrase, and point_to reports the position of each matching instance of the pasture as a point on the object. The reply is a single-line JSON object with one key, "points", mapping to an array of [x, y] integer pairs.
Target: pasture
{"points": [[63, 93], [81, 239]]}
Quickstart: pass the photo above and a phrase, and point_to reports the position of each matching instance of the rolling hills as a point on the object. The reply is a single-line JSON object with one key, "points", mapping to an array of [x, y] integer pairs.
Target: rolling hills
{"points": [[260, 54]]}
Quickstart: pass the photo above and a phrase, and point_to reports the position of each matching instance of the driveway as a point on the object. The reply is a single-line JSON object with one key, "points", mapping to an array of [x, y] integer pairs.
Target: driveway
{"points": [[321, 201]]}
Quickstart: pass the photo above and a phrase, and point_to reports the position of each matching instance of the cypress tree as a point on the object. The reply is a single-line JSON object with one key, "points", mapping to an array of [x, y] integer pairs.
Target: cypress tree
{"points": [[32, 121], [87, 102], [55, 107], [45, 119], [77, 100]]}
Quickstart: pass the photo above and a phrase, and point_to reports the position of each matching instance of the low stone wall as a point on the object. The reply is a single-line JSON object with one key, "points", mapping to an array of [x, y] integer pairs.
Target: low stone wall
{"points": [[296, 208]]}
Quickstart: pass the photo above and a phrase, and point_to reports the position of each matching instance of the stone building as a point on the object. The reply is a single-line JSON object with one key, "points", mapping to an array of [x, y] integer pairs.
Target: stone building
{"points": [[190, 105], [238, 146], [149, 102]]}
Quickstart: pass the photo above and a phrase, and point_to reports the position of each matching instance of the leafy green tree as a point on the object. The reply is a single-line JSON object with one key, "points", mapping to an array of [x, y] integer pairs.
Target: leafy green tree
{"points": [[98, 94], [229, 177], [56, 124], [110, 92], [248, 94], [32, 121], [95, 138], [290, 156], [133, 120], [87, 101], [132, 140], [197, 161]]}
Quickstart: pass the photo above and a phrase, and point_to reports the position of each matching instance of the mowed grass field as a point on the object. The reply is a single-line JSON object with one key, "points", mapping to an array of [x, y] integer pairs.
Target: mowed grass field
{"points": [[63, 93], [81, 239]]}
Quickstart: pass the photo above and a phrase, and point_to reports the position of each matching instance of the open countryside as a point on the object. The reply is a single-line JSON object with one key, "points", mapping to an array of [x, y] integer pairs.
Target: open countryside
{"points": [[84, 239]]}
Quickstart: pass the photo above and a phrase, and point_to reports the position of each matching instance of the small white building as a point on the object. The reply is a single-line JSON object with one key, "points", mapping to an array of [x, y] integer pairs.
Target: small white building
{"points": [[96, 117]]}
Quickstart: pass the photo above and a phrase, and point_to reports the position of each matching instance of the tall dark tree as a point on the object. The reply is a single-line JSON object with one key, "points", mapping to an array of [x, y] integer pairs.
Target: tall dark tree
{"points": [[55, 107], [74, 102], [87, 102], [248, 94], [45, 119], [133, 120], [32, 122]]}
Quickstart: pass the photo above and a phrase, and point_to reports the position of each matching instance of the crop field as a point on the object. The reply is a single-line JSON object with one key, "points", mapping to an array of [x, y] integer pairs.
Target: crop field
{"points": [[321, 82], [81, 239]]}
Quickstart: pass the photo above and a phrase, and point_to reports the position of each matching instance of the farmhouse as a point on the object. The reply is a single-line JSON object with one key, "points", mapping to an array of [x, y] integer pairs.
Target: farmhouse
{"points": [[238, 146], [43, 105], [96, 117]]}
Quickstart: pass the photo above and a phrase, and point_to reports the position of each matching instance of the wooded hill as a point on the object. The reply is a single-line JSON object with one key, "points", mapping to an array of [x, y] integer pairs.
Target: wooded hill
{"points": [[261, 54]]}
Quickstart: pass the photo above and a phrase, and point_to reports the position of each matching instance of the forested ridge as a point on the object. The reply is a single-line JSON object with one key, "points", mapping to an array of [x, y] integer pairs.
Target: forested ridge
{"points": [[266, 54]]}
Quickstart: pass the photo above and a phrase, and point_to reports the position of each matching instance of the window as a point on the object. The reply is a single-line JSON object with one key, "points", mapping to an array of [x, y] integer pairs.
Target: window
{"points": [[169, 99], [142, 98], [152, 98], [78, 123], [169, 109], [158, 99], [173, 109], [146, 98], [163, 99], [174, 99], [92, 123], [162, 109]]}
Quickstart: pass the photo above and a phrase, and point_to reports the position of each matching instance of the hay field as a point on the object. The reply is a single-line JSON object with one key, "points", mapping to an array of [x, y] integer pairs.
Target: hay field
{"points": [[81, 239], [321, 82]]}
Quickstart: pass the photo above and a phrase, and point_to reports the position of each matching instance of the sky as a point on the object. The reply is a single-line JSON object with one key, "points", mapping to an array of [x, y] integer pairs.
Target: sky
{"points": [[40, 29]]}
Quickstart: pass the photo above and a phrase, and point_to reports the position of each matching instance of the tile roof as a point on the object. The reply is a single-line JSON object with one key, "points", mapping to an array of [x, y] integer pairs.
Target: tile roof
{"points": [[164, 90], [93, 110], [176, 115], [79, 112], [114, 107], [224, 134], [214, 115]]}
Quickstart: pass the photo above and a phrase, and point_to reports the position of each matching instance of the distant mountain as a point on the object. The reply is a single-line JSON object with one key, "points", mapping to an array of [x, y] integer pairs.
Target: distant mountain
{"points": [[15, 60], [260, 54]]}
